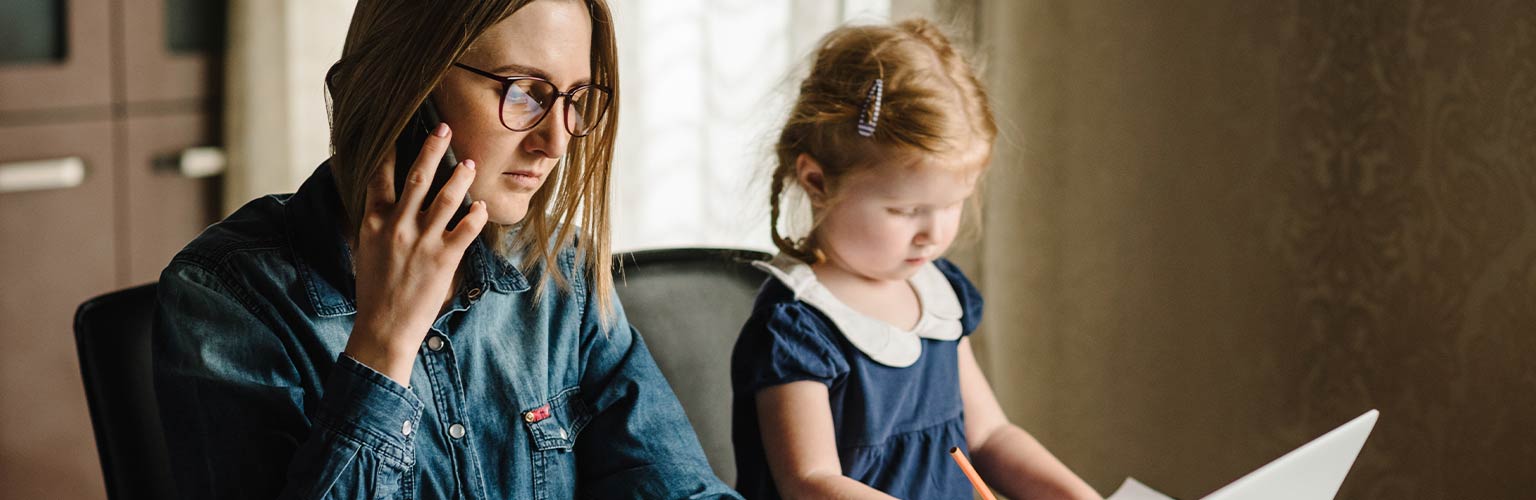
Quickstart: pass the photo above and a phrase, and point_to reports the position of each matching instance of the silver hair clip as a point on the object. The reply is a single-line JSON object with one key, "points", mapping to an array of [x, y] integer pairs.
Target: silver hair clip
{"points": [[869, 114]]}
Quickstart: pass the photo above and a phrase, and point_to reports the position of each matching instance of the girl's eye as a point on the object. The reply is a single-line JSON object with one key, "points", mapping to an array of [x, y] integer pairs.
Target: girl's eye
{"points": [[906, 212]]}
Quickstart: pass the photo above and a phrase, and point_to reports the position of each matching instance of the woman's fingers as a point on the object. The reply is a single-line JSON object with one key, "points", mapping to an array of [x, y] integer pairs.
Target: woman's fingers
{"points": [[448, 200], [410, 231], [459, 238], [419, 180], [380, 194]]}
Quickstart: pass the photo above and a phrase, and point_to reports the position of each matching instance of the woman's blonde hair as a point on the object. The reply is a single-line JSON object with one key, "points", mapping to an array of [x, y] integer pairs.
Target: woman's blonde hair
{"points": [[396, 53], [931, 103]]}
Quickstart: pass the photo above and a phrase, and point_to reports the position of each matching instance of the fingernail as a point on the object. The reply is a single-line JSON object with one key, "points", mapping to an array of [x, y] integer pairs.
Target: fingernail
{"points": [[470, 164], [442, 130]]}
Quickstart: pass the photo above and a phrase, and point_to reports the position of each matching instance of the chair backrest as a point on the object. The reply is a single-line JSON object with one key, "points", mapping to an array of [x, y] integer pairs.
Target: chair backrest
{"points": [[689, 305], [112, 338]]}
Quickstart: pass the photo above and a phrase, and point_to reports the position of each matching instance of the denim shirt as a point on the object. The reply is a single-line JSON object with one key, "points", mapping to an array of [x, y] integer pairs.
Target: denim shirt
{"points": [[514, 394]]}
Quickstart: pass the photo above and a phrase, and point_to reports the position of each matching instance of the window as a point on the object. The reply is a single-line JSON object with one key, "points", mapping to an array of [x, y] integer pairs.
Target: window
{"points": [[705, 86]]}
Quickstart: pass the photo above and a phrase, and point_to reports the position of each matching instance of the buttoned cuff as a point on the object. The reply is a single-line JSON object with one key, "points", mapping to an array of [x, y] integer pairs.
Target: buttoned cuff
{"points": [[368, 407]]}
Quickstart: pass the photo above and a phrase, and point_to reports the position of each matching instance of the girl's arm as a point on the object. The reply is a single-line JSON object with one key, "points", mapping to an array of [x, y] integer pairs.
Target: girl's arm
{"points": [[801, 444], [1008, 458]]}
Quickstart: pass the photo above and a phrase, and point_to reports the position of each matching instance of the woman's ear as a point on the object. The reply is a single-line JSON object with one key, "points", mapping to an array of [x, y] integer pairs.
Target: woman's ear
{"points": [[812, 180]]}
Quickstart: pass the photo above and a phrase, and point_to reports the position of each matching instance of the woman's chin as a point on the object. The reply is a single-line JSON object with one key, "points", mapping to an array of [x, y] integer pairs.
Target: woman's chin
{"points": [[508, 216], [506, 210]]}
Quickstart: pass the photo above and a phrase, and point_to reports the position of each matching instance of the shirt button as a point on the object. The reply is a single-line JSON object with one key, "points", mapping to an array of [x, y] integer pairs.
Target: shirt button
{"points": [[530, 417], [456, 430], [474, 293], [406, 429], [435, 343]]}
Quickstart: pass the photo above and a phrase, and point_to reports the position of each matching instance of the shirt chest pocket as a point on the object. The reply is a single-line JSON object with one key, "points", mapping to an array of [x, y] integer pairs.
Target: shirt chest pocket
{"points": [[555, 425]]}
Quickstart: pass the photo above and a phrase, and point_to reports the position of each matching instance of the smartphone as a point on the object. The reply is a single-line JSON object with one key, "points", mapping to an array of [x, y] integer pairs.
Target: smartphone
{"points": [[408, 147]]}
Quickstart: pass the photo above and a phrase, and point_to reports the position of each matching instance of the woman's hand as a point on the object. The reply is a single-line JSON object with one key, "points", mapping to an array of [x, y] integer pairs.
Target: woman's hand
{"points": [[406, 258]]}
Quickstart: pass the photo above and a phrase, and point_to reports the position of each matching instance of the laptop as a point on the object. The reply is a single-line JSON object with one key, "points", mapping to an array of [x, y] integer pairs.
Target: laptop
{"points": [[1312, 472]]}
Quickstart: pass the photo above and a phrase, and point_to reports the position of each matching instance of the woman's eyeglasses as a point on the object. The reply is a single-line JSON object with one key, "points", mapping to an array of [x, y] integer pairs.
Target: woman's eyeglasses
{"points": [[526, 99]]}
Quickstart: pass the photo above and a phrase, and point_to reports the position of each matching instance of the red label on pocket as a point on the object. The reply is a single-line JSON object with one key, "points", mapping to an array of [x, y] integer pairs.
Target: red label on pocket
{"points": [[537, 414]]}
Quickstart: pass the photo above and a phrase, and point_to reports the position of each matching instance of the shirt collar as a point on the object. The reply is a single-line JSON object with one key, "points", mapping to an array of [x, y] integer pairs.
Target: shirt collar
{"points": [[316, 220], [881, 341]]}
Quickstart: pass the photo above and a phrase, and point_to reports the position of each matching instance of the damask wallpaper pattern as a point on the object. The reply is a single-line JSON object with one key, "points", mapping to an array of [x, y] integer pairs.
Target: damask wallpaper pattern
{"points": [[1407, 223], [1217, 229]]}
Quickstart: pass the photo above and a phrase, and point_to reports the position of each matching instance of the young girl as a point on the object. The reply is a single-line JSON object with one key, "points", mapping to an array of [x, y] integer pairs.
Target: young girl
{"points": [[853, 377]]}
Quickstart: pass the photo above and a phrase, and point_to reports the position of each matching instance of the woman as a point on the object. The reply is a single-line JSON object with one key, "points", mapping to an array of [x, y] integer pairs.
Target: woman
{"points": [[348, 342]]}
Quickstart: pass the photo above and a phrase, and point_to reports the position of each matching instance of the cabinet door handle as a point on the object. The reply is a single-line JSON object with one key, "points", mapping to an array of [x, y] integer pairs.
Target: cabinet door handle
{"points": [[38, 175], [195, 162]]}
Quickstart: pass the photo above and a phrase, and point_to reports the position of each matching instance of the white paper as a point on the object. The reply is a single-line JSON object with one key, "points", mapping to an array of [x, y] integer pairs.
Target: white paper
{"points": [[1132, 489]]}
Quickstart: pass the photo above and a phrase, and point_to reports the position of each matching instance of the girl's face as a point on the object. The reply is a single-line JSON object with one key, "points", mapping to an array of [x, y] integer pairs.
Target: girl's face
{"points": [[886, 221], [548, 39]]}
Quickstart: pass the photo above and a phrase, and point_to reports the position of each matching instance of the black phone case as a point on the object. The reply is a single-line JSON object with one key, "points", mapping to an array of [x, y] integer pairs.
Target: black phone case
{"points": [[408, 147]]}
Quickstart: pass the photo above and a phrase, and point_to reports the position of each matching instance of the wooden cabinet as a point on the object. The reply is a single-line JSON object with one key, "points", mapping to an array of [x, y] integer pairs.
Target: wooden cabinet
{"points": [[99, 102], [164, 206], [166, 55], [58, 55], [57, 247]]}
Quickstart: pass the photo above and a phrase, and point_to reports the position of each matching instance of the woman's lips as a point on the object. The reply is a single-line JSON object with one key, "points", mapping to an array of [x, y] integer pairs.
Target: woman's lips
{"points": [[525, 179]]}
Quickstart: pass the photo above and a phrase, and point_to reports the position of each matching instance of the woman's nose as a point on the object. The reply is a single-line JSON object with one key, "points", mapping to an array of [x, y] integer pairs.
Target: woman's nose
{"points": [[549, 139]]}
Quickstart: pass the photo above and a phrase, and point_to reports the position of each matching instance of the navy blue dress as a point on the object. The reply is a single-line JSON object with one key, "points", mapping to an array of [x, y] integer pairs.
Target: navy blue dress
{"points": [[894, 424]]}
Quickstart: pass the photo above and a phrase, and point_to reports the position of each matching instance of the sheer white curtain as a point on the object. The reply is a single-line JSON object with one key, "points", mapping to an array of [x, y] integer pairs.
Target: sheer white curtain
{"points": [[706, 84], [275, 125]]}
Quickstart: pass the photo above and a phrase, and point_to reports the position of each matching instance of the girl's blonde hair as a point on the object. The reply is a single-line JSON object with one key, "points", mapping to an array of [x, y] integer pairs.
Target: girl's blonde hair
{"points": [[396, 53], [932, 105]]}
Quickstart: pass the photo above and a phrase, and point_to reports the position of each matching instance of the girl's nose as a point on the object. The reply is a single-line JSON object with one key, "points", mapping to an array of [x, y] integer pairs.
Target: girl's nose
{"points": [[931, 232], [924, 236]]}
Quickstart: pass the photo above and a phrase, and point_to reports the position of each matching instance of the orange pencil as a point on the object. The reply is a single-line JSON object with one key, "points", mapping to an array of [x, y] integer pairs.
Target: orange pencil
{"points": [[970, 473]]}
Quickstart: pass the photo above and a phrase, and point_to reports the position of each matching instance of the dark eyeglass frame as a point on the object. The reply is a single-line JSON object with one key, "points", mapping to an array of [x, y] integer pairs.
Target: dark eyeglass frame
{"points": [[506, 86]]}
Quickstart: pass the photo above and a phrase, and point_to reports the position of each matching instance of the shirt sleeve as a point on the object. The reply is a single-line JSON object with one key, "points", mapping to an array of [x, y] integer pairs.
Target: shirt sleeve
{"points": [[787, 343], [639, 443], [970, 298], [234, 410]]}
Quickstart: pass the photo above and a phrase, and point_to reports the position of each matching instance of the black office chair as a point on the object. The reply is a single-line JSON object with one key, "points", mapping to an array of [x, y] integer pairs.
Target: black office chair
{"points": [[112, 338], [689, 304]]}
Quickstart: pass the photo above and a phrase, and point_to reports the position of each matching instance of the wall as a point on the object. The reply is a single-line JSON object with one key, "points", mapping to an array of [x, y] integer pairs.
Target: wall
{"points": [[275, 117], [1217, 229]]}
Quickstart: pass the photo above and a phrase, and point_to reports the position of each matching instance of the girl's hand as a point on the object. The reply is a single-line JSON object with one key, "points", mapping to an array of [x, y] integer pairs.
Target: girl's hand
{"points": [[1015, 463], [406, 258]]}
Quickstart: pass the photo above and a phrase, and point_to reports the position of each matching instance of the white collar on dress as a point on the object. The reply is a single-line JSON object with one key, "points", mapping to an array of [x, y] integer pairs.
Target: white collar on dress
{"points": [[881, 341]]}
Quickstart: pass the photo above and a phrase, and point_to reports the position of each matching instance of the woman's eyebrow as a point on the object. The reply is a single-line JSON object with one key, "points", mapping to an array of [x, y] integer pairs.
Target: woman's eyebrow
{"points": [[518, 69]]}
